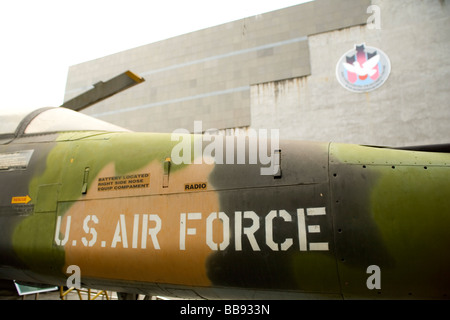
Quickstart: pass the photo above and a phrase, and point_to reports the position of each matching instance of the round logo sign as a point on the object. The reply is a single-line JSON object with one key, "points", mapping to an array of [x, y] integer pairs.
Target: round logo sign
{"points": [[363, 69]]}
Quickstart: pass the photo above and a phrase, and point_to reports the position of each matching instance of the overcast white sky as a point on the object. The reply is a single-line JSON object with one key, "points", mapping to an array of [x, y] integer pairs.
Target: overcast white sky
{"points": [[41, 39]]}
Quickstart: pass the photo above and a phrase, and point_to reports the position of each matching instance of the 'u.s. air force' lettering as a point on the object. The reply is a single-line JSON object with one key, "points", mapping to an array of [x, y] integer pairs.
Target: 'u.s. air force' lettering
{"points": [[145, 228]]}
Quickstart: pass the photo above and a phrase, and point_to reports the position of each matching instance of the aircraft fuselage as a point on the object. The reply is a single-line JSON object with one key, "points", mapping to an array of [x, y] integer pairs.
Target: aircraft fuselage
{"points": [[332, 221]]}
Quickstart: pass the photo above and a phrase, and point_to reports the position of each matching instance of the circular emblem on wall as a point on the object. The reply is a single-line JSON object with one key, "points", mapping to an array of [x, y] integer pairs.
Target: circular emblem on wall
{"points": [[363, 69]]}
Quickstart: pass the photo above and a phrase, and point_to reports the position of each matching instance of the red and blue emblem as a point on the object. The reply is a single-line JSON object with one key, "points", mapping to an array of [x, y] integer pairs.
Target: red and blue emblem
{"points": [[363, 69]]}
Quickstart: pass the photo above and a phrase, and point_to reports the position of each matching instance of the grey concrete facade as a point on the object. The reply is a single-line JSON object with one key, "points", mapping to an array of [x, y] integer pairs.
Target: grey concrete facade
{"points": [[411, 108], [207, 75], [277, 70]]}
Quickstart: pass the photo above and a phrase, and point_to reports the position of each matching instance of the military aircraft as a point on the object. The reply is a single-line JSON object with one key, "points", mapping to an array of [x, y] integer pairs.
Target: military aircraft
{"points": [[214, 217]]}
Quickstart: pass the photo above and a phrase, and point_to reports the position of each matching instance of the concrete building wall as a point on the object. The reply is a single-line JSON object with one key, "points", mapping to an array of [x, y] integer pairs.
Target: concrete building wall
{"points": [[411, 108], [206, 75], [277, 70]]}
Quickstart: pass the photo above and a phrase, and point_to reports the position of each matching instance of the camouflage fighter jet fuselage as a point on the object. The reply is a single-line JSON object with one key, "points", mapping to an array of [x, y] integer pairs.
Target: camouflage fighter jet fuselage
{"points": [[332, 221]]}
